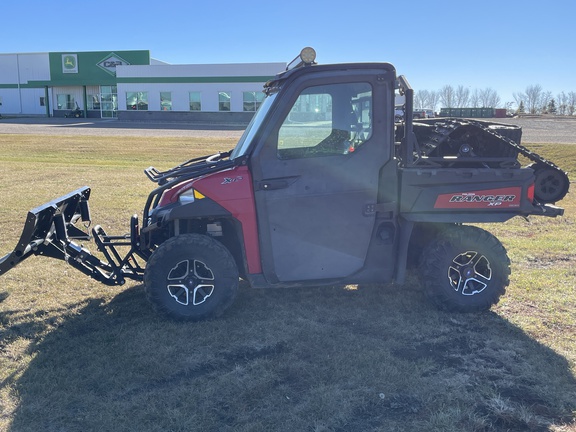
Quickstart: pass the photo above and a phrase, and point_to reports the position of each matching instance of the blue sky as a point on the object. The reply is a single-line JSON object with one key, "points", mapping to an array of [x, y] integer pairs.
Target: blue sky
{"points": [[506, 45]]}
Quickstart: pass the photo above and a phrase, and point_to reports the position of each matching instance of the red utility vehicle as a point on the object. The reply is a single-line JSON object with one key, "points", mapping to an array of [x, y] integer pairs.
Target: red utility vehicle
{"points": [[323, 188]]}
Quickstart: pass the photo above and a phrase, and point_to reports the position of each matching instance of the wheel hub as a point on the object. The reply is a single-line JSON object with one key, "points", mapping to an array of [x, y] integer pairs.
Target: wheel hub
{"points": [[549, 183], [190, 282], [469, 273]]}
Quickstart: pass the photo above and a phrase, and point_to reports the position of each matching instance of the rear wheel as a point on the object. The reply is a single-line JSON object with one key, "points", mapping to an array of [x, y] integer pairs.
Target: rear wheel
{"points": [[191, 277], [465, 269]]}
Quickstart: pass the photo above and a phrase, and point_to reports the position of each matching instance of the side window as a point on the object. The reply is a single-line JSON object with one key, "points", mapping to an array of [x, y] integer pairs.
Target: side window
{"points": [[166, 101], [65, 101], [137, 101], [327, 120], [223, 101], [195, 101]]}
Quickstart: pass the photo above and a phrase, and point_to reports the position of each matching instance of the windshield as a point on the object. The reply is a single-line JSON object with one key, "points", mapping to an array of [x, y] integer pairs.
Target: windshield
{"points": [[248, 135]]}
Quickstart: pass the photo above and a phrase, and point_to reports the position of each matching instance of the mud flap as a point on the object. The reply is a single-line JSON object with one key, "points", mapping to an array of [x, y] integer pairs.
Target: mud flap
{"points": [[50, 231]]}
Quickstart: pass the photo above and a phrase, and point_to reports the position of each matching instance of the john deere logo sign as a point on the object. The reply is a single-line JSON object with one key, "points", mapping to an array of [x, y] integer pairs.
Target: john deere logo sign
{"points": [[69, 63], [110, 62]]}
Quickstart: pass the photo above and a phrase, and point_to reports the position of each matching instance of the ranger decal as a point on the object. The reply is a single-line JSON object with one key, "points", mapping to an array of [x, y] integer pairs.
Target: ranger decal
{"points": [[501, 198]]}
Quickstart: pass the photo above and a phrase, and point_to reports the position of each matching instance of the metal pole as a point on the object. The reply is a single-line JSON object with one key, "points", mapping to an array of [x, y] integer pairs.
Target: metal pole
{"points": [[19, 89], [85, 99], [47, 101]]}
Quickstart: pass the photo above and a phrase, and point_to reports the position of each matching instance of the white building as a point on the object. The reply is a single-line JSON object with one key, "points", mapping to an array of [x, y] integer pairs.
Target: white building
{"points": [[19, 92], [129, 85]]}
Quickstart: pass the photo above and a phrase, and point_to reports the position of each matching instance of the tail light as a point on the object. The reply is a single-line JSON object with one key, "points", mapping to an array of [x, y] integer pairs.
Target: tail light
{"points": [[530, 193]]}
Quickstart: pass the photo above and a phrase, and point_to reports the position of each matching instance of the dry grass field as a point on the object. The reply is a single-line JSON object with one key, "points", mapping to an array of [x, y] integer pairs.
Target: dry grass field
{"points": [[79, 356]]}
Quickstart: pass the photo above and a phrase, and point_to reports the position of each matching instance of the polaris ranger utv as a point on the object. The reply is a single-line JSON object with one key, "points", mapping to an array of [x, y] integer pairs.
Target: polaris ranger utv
{"points": [[322, 188]]}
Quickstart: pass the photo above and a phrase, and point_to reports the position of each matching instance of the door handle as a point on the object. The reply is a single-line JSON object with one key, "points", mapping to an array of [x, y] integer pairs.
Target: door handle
{"points": [[274, 184]]}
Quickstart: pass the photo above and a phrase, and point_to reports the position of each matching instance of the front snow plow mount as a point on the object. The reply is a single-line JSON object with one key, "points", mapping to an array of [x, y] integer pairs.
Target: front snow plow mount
{"points": [[50, 230]]}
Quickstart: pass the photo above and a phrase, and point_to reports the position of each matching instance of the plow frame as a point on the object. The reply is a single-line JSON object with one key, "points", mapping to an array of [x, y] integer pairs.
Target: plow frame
{"points": [[50, 230]]}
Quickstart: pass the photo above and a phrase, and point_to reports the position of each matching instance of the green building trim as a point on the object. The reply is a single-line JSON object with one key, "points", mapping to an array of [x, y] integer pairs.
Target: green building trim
{"points": [[193, 80], [90, 67]]}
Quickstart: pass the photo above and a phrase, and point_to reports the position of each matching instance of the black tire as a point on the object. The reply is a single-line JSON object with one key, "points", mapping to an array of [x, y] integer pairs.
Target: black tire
{"points": [[191, 277], [465, 269]]}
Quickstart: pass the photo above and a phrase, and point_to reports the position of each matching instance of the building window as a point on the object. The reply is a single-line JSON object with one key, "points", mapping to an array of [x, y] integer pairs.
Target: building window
{"points": [[252, 100], [195, 101], [166, 101], [65, 102], [109, 99], [108, 90], [223, 101], [93, 101], [137, 101]]}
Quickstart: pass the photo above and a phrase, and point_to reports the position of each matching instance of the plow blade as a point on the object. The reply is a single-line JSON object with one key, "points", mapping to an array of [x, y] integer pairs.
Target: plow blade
{"points": [[50, 231], [46, 224]]}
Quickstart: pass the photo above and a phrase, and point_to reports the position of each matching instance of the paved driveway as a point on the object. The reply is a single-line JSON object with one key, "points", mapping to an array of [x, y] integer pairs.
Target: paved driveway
{"points": [[560, 130], [535, 130], [98, 127]]}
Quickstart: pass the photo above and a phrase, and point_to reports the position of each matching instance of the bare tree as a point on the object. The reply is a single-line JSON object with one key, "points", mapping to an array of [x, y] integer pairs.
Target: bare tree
{"points": [[426, 99], [421, 98], [461, 96], [571, 103], [533, 97], [447, 96], [489, 98], [545, 102], [475, 99], [434, 99], [562, 103]]}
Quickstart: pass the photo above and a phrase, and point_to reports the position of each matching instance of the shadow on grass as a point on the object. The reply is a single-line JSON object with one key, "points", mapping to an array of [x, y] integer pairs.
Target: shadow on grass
{"points": [[321, 359]]}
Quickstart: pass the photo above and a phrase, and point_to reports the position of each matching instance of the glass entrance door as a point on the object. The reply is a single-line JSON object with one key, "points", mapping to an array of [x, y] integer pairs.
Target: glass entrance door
{"points": [[109, 98]]}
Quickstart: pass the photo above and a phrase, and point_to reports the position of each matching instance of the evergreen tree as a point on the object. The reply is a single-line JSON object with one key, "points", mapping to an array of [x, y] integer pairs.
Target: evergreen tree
{"points": [[521, 109], [552, 107]]}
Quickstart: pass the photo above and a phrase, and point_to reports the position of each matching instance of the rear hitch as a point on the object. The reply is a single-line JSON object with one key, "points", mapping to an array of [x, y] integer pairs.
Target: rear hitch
{"points": [[50, 231]]}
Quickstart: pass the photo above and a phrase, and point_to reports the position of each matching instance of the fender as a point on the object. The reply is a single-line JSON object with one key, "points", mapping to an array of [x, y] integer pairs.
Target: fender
{"points": [[232, 189]]}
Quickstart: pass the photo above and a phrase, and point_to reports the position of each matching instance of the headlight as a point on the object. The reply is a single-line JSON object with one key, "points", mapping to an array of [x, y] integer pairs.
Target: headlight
{"points": [[190, 195], [186, 197], [183, 193], [308, 55]]}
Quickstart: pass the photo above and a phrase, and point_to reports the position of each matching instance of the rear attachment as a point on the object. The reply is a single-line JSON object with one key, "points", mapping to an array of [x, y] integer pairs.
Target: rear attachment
{"points": [[473, 143], [50, 231]]}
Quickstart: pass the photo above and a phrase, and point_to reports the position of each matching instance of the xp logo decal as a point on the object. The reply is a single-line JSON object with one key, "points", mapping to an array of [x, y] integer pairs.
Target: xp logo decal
{"points": [[69, 63], [502, 198], [228, 180], [110, 62]]}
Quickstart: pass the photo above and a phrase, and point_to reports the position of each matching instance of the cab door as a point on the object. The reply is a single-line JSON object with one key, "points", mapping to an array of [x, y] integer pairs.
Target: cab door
{"points": [[316, 176]]}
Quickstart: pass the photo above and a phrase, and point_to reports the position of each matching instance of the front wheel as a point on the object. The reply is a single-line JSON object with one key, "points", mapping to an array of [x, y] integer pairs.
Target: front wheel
{"points": [[191, 277], [465, 269]]}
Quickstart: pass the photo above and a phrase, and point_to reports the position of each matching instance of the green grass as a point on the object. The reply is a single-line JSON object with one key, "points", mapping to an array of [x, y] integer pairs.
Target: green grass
{"points": [[79, 356]]}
